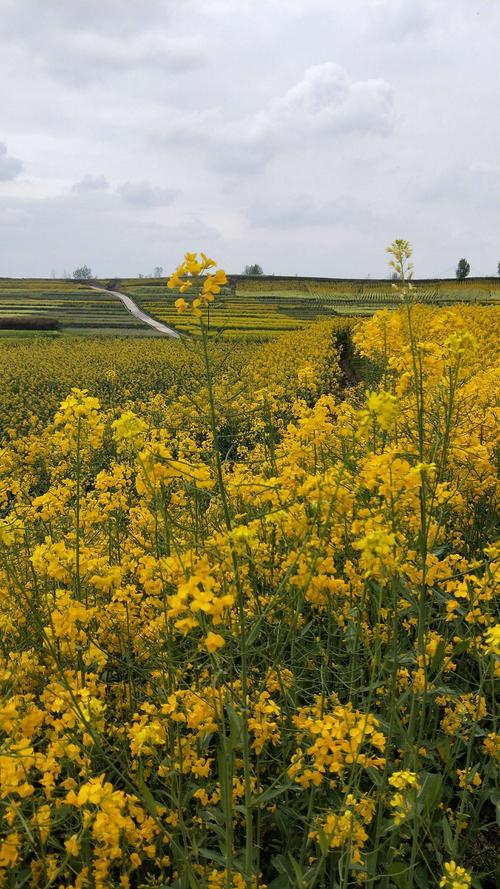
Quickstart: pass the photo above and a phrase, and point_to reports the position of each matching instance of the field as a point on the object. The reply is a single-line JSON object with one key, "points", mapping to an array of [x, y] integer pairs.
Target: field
{"points": [[78, 308], [257, 306], [249, 629], [254, 308]]}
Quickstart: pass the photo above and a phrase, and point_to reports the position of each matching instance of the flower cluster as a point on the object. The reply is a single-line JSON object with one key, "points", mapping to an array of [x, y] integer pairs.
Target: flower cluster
{"points": [[194, 271]]}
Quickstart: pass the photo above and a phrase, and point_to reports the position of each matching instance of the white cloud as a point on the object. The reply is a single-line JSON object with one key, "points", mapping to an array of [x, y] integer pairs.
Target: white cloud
{"points": [[328, 102], [325, 104]]}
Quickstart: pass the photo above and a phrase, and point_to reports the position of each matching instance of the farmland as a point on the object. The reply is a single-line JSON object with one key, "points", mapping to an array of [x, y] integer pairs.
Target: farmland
{"points": [[248, 604], [78, 309], [253, 308]]}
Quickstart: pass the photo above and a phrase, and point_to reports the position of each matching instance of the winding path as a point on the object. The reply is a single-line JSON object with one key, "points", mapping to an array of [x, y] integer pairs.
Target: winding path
{"points": [[134, 310]]}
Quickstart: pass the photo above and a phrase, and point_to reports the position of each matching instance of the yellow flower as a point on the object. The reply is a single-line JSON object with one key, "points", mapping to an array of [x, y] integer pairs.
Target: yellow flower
{"points": [[212, 283], [492, 640], [129, 428], [404, 779], [9, 850], [181, 305], [72, 845], [213, 641], [384, 407], [175, 281], [455, 877]]}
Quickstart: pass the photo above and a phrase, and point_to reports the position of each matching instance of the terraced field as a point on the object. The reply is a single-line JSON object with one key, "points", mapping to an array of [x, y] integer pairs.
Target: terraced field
{"points": [[252, 314], [259, 306], [78, 308], [250, 307]]}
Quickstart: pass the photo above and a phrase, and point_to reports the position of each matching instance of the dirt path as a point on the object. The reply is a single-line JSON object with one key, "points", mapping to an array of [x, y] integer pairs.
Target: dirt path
{"points": [[134, 310]]}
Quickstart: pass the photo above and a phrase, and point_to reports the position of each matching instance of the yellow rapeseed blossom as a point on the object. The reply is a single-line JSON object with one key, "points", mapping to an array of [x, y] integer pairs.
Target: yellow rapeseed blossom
{"points": [[455, 877], [193, 272], [213, 642]]}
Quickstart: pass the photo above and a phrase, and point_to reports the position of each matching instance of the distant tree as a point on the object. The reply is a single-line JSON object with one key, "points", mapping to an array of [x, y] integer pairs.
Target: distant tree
{"points": [[254, 269], [84, 273], [113, 284], [498, 268], [463, 269], [158, 272]]}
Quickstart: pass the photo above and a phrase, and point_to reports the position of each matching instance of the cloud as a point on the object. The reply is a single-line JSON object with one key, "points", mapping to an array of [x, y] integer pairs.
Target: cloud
{"points": [[143, 194], [393, 21], [302, 211], [66, 231], [475, 185], [90, 184], [281, 125], [13, 216], [10, 167], [88, 56], [325, 104]]}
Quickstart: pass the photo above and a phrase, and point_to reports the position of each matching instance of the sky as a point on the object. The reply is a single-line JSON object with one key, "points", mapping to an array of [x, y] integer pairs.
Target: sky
{"points": [[303, 135]]}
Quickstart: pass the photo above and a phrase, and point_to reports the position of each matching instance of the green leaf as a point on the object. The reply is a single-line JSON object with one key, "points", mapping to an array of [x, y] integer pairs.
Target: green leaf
{"points": [[254, 632], [460, 647], [447, 836], [398, 871], [299, 874], [213, 856], [421, 878], [438, 657], [146, 794], [430, 793], [272, 793], [281, 863], [235, 726], [281, 882]]}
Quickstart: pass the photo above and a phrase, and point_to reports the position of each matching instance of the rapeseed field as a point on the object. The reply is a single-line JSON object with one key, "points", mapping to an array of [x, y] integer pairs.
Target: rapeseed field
{"points": [[249, 633]]}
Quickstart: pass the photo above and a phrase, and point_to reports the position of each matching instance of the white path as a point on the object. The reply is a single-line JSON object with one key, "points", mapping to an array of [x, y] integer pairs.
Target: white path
{"points": [[134, 310]]}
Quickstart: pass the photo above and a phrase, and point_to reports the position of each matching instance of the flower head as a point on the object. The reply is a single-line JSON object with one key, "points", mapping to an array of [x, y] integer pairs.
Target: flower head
{"points": [[194, 272], [455, 877]]}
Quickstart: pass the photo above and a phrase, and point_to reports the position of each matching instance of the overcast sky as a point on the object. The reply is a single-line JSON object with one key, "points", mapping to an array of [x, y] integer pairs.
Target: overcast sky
{"points": [[300, 134]]}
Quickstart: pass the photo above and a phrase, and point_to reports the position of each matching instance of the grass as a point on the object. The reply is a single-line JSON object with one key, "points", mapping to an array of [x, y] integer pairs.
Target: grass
{"points": [[24, 334]]}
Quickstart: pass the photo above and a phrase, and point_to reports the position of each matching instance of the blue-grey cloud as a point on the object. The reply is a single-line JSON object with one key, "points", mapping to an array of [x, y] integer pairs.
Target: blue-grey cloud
{"points": [[143, 194], [10, 167], [90, 183], [303, 211]]}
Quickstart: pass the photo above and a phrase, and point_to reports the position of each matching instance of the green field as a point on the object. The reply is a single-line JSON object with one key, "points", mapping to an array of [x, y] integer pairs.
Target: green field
{"points": [[78, 308], [268, 305], [250, 307]]}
